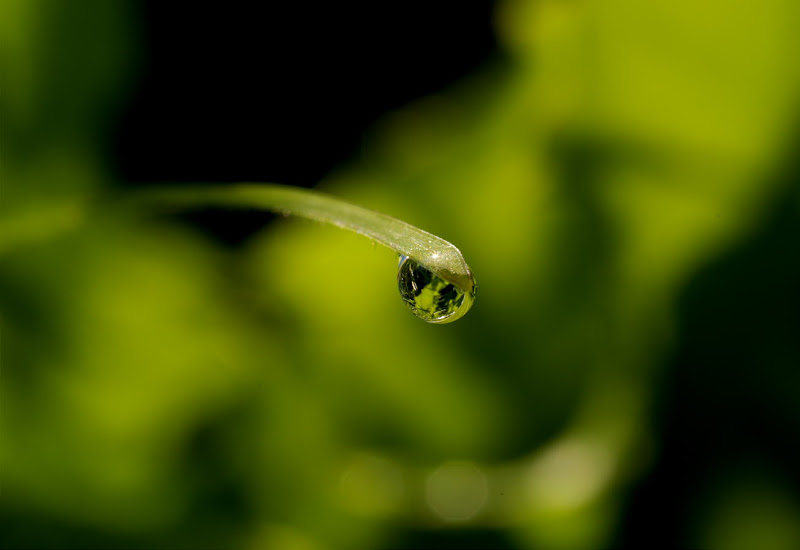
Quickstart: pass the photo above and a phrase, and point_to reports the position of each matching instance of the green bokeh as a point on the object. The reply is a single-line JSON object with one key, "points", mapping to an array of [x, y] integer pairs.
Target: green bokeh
{"points": [[160, 392]]}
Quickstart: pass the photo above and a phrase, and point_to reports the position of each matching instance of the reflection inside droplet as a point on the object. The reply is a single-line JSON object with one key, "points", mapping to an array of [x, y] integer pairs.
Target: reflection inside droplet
{"points": [[430, 297]]}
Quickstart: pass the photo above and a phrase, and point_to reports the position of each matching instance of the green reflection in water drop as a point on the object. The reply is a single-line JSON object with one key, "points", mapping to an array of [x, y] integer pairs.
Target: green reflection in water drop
{"points": [[430, 297]]}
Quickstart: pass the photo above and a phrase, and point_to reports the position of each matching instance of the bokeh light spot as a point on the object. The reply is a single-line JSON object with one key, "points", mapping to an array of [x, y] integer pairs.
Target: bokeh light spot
{"points": [[457, 491], [569, 474]]}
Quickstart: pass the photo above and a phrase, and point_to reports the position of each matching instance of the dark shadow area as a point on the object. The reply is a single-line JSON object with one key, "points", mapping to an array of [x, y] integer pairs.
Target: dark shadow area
{"points": [[462, 539], [728, 407], [282, 92]]}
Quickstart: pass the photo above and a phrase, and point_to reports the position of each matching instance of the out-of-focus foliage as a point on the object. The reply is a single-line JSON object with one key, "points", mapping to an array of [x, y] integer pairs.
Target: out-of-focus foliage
{"points": [[158, 391]]}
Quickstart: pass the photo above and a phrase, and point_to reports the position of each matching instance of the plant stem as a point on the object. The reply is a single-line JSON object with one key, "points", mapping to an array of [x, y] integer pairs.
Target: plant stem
{"points": [[436, 254]]}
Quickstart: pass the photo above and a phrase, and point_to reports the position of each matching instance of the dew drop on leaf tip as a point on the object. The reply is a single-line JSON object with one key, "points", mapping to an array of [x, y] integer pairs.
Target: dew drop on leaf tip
{"points": [[430, 297]]}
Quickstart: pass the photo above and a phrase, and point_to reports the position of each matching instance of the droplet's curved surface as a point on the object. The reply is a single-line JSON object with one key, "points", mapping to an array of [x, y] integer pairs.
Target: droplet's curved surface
{"points": [[430, 297]]}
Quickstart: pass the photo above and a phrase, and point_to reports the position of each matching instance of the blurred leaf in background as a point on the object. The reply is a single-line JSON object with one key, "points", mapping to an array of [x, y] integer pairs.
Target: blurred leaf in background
{"points": [[623, 183]]}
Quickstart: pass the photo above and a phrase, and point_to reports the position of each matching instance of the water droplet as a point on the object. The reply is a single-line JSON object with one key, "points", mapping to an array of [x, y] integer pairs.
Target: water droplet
{"points": [[430, 297]]}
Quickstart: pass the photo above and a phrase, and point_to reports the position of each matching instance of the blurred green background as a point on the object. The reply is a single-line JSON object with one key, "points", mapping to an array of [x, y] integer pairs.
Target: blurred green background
{"points": [[621, 176]]}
